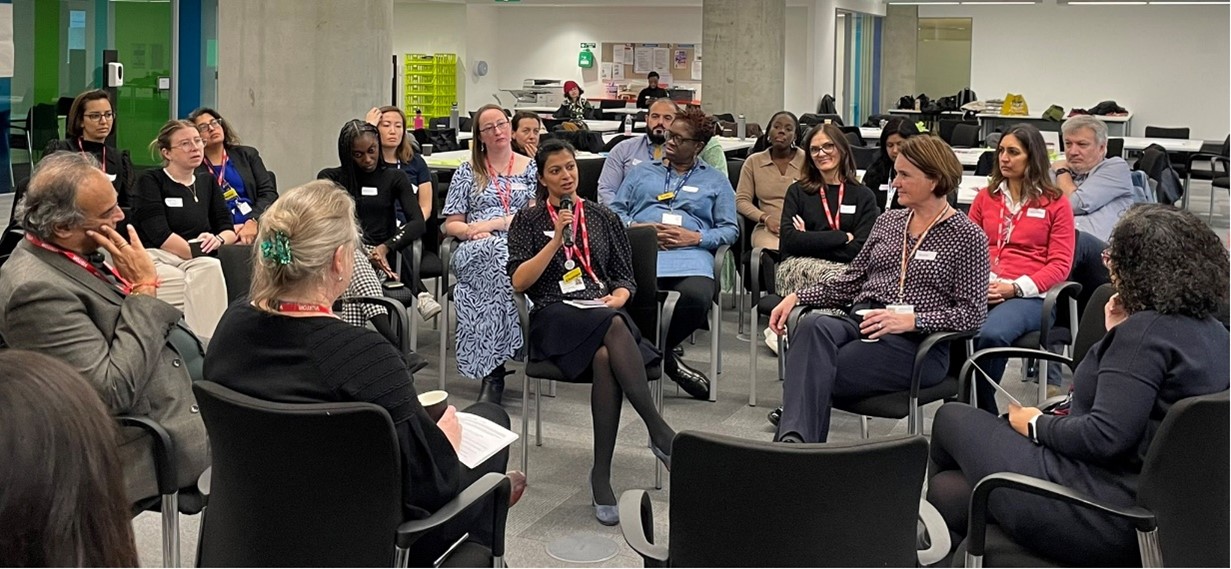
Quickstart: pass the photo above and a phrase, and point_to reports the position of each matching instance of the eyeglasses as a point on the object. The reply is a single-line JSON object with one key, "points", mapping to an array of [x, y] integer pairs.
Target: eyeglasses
{"points": [[188, 145], [827, 148], [493, 127], [100, 117], [209, 125], [677, 139]]}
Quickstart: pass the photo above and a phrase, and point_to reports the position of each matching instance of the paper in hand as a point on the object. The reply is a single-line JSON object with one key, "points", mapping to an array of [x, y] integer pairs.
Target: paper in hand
{"points": [[1002, 390]]}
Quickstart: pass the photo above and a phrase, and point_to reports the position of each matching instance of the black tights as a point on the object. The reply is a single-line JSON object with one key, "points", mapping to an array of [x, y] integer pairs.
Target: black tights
{"points": [[619, 372]]}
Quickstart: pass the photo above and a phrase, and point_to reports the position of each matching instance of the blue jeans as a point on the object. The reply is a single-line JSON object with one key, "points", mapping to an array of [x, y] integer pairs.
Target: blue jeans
{"points": [[1006, 322]]}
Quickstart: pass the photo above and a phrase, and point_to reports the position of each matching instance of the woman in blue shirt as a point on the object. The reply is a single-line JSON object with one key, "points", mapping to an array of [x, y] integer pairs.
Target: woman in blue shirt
{"points": [[247, 186]]}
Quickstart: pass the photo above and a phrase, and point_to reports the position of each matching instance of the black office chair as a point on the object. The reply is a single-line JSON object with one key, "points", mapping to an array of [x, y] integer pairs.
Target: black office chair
{"points": [[1181, 513], [438, 123], [965, 135], [762, 265], [171, 500], [1057, 333], [616, 140], [987, 163], [864, 156], [1218, 179], [1115, 147], [946, 127], [319, 484], [742, 503], [1179, 160], [1157, 164], [650, 309], [853, 135], [902, 404], [443, 139], [236, 263], [588, 171]]}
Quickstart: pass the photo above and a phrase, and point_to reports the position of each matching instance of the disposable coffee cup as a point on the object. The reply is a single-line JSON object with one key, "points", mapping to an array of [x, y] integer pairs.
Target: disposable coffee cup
{"points": [[427, 149], [859, 315], [435, 403]]}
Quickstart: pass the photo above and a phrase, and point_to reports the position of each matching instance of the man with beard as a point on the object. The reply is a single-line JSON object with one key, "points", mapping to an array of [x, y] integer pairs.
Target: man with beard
{"points": [[628, 154]]}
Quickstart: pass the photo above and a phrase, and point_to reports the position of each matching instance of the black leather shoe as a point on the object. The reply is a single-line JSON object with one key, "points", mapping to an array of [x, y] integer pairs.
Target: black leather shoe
{"points": [[775, 416], [678, 351], [492, 390], [692, 381]]}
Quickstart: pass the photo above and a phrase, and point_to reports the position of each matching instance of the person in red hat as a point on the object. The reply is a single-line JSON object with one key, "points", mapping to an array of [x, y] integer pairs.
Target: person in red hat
{"points": [[575, 108]]}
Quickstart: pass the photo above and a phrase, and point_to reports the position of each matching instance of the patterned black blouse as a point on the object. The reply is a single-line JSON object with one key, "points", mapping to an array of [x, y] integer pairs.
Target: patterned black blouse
{"points": [[610, 254]]}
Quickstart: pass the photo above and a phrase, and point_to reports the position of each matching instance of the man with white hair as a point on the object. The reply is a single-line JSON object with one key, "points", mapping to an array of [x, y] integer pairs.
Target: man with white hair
{"points": [[1100, 189]]}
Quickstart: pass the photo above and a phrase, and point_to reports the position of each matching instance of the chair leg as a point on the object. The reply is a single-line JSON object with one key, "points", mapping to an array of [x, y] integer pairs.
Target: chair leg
{"points": [[1147, 545], [1042, 373], [715, 361], [444, 340], [171, 530], [525, 423], [401, 557], [863, 426], [538, 412], [752, 356]]}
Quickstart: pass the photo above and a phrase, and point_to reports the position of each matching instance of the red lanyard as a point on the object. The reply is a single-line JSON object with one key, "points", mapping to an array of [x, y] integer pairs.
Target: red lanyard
{"points": [[582, 248], [503, 190], [1002, 235], [284, 306], [835, 220], [103, 161], [81, 262], [222, 170]]}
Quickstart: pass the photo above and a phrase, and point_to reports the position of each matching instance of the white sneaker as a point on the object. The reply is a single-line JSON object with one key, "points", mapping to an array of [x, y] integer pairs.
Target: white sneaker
{"points": [[428, 307], [771, 340]]}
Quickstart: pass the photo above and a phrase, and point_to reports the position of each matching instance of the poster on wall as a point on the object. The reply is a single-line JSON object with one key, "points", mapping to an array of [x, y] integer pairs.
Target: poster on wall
{"points": [[604, 70], [662, 60], [696, 70], [643, 60], [617, 55], [681, 59], [617, 72]]}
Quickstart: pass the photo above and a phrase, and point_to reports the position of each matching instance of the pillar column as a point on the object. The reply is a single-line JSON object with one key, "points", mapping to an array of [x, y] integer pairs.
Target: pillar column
{"points": [[743, 47], [290, 73], [899, 42]]}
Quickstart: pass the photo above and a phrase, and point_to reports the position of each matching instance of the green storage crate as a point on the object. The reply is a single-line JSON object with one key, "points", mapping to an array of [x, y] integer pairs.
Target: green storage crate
{"points": [[420, 100], [420, 79], [446, 58], [419, 89]]}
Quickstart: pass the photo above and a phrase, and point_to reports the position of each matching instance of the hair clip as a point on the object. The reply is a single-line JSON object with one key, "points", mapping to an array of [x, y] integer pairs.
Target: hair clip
{"points": [[277, 248]]}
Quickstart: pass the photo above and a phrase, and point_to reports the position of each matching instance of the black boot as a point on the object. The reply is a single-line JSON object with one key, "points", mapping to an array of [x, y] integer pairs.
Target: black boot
{"points": [[492, 390], [692, 381]]}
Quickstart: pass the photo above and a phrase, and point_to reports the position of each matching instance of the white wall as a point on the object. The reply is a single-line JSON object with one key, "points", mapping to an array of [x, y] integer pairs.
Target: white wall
{"points": [[797, 81], [429, 28], [1166, 64], [943, 67]]}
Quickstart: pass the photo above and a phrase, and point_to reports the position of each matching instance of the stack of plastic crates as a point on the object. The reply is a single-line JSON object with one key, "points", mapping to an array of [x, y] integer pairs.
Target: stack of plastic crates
{"points": [[431, 84], [445, 92]]}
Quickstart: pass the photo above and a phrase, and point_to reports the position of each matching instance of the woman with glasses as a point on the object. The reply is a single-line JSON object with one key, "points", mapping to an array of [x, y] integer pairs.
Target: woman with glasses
{"points": [[1030, 234], [90, 121], [183, 219], [922, 269], [485, 194], [1164, 343], [247, 186]]}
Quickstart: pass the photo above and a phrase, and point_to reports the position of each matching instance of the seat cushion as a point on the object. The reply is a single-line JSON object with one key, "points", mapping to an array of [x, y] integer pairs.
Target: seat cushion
{"points": [[767, 303], [1221, 182], [1000, 551], [429, 265], [896, 405], [403, 295]]}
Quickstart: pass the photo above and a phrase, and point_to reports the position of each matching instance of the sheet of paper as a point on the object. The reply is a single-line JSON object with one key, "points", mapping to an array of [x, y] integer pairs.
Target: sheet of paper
{"points": [[585, 304], [481, 439], [1002, 390], [662, 59], [696, 70], [617, 72], [643, 60], [628, 54], [604, 70], [617, 54]]}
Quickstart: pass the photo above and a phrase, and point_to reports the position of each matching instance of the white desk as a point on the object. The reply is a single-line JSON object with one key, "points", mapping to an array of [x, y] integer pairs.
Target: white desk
{"points": [[967, 189], [870, 134], [1120, 125], [623, 111], [1139, 143], [970, 156], [729, 144], [453, 159], [535, 109]]}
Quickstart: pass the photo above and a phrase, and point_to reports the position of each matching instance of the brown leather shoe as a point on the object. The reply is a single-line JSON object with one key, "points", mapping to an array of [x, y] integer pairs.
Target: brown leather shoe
{"points": [[517, 480]]}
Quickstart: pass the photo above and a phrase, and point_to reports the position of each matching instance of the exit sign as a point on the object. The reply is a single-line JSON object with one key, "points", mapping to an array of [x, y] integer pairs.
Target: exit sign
{"points": [[589, 45]]}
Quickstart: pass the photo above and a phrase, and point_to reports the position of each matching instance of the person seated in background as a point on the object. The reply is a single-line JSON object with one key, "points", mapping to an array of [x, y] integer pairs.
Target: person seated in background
{"points": [[923, 269], [396, 151], [765, 177], [239, 170], [1163, 344], [286, 345], [484, 195], [713, 154], [1099, 189], [60, 298], [692, 207], [90, 121], [184, 217], [630, 153], [375, 190], [526, 129], [651, 92], [63, 503], [604, 341], [576, 109], [879, 176], [1029, 228]]}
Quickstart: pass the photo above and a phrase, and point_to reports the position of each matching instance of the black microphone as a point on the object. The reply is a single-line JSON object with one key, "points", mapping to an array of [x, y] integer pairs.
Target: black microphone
{"points": [[566, 204]]}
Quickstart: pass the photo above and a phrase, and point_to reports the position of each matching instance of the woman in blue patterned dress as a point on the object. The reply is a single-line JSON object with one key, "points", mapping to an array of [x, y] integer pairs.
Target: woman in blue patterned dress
{"points": [[483, 197]]}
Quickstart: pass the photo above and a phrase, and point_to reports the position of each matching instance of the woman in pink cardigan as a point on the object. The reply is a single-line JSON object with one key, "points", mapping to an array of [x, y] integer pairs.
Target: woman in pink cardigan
{"points": [[1030, 234]]}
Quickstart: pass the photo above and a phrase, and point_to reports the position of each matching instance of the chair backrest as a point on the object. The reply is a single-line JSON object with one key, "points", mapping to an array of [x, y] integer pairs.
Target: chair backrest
{"points": [[987, 161], [1115, 147], [643, 306], [236, 261], [1157, 165], [864, 156], [1092, 326], [1166, 132], [44, 125], [588, 171], [298, 484], [443, 139], [438, 122], [965, 135], [805, 505], [1184, 482], [612, 104], [616, 140], [946, 127]]}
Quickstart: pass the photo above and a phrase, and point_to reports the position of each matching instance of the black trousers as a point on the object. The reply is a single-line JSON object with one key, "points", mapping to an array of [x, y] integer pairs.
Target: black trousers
{"points": [[696, 296], [478, 520]]}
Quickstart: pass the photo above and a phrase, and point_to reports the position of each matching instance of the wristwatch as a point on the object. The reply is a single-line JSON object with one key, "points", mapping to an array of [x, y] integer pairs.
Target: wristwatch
{"points": [[1017, 290], [1032, 429], [1064, 171]]}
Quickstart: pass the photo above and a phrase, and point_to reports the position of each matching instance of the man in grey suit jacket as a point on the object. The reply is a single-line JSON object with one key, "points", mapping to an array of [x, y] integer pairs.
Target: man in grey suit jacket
{"points": [[58, 297]]}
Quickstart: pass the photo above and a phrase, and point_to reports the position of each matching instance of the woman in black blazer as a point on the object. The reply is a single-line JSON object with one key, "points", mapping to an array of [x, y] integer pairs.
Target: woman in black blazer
{"points": [[90, 121], [248, 187]]}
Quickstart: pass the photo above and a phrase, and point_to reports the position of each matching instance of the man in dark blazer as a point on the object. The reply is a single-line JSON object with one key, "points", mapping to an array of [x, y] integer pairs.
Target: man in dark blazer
{"points": [[58, 297]]}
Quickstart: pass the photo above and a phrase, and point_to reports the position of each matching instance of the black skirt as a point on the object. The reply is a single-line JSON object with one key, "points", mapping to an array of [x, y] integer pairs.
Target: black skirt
{"points": [[568, 337]]}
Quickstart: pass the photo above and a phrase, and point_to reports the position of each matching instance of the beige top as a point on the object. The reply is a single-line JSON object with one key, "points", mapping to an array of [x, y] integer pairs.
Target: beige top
{"points": [[761, 178]]}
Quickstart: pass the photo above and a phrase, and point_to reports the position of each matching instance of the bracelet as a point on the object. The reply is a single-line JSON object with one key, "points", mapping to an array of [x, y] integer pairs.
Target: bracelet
{"points": [[131, 287]]}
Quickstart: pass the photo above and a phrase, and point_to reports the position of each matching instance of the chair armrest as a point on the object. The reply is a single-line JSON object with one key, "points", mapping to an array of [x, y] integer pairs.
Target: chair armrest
{"points": [[164, 451], [1142, 518], [792, 320], [446, 254], [938, 535], [925, 347], [523, 311], [754, 273], [720, 260], [968, 369], [667, 299], [493, 485], [1061, 291], [637, 525], [1226, 164], [396, 312]]}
